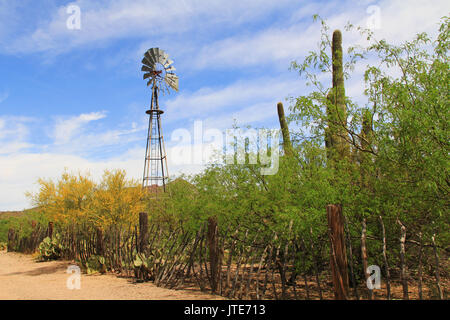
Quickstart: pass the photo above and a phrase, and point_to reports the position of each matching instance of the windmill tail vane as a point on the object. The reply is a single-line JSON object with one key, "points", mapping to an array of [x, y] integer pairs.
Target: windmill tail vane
{"points": [[159, 71]]}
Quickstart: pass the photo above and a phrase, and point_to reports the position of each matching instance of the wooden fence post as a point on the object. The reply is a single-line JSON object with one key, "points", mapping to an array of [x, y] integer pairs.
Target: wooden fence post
{"points": [[404, 275], [214, 252], [11, 238], [364, 255], [350, 251], [50, 230], [436, 268], [33, 237], [73, 240], [99, 245], [420, 267], [143, 231], [141, 273], [338, 258], [386, 265], [315, 264]]}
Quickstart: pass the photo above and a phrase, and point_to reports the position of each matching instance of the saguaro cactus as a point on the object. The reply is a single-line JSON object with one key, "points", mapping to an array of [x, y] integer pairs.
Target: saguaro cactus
{"points": [[336, 132], [284, 130]]}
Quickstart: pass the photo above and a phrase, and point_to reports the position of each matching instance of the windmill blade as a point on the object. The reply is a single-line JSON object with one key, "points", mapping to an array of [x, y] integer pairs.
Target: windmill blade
{"points": [[171, 75], [168, 63], [148, 59], [164, 57], [151, 71], [152, 51], [172, 80], [153, 54], [170, 69], [148, 69], [145, 61], [158, 52]]}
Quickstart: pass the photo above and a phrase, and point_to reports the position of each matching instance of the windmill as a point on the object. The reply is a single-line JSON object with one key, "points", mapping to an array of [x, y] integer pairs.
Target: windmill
{"points": [[159, 72]]}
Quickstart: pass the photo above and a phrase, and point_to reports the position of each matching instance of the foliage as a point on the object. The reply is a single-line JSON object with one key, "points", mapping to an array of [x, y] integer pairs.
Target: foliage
{"points": [[67, 200], [50, 249], [396, 165], [395, 161], [95, 264], [116, 200], [142, 260], [398, 140], [78, 200], [21, 223]]}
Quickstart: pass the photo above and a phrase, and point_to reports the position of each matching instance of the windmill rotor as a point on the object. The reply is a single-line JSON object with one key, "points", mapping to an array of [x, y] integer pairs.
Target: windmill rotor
{"points": [[159, 70]]}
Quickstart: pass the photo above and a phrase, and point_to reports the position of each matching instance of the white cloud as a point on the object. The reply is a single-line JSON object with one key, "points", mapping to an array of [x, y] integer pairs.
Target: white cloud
{"points": [[20, 172], [106, 20], [401, 20], [274, 45], [66, 129], [192, 28], [280, 45], [217, 102], [72, 149], [14, 132]]}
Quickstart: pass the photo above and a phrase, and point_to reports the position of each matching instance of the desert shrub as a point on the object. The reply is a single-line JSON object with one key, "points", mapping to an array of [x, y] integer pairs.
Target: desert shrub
{"points": [[76, 199]]}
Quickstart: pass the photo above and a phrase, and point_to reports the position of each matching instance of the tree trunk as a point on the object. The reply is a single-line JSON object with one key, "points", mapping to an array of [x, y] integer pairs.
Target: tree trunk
{"points": [[214, 253], [143, 232], [338, 257], [436, 269], [50, 230], [364, 254], [350, 250], [386, 265], [403, 261], [420, 267], [11, 240]]}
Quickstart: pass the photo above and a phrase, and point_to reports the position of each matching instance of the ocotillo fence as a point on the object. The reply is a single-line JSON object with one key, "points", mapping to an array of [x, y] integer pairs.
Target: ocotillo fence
{"points": [[239, 263]]}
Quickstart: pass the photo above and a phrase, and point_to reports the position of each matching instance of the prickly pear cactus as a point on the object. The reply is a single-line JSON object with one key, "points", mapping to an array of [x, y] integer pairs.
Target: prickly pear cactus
{"points": [[50, 249]]}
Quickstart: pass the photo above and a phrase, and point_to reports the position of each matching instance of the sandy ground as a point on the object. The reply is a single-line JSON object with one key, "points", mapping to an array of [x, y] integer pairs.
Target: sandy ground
{"points": [[21, 278]]}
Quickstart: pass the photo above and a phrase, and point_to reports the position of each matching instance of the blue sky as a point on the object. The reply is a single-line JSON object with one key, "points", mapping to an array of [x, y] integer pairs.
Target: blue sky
{"points": [[76, 99]]}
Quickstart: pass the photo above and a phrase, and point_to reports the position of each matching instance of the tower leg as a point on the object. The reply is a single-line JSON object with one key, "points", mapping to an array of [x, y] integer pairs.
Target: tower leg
{"points": [[155, 169]]}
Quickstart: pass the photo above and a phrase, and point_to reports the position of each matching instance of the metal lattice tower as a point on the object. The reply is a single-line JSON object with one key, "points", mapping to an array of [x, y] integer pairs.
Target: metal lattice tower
{"points": [[159, 71]]}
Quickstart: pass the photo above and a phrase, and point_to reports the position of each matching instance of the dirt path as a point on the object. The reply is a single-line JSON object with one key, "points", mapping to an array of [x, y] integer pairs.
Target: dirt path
{"points": [[23, 278]]}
